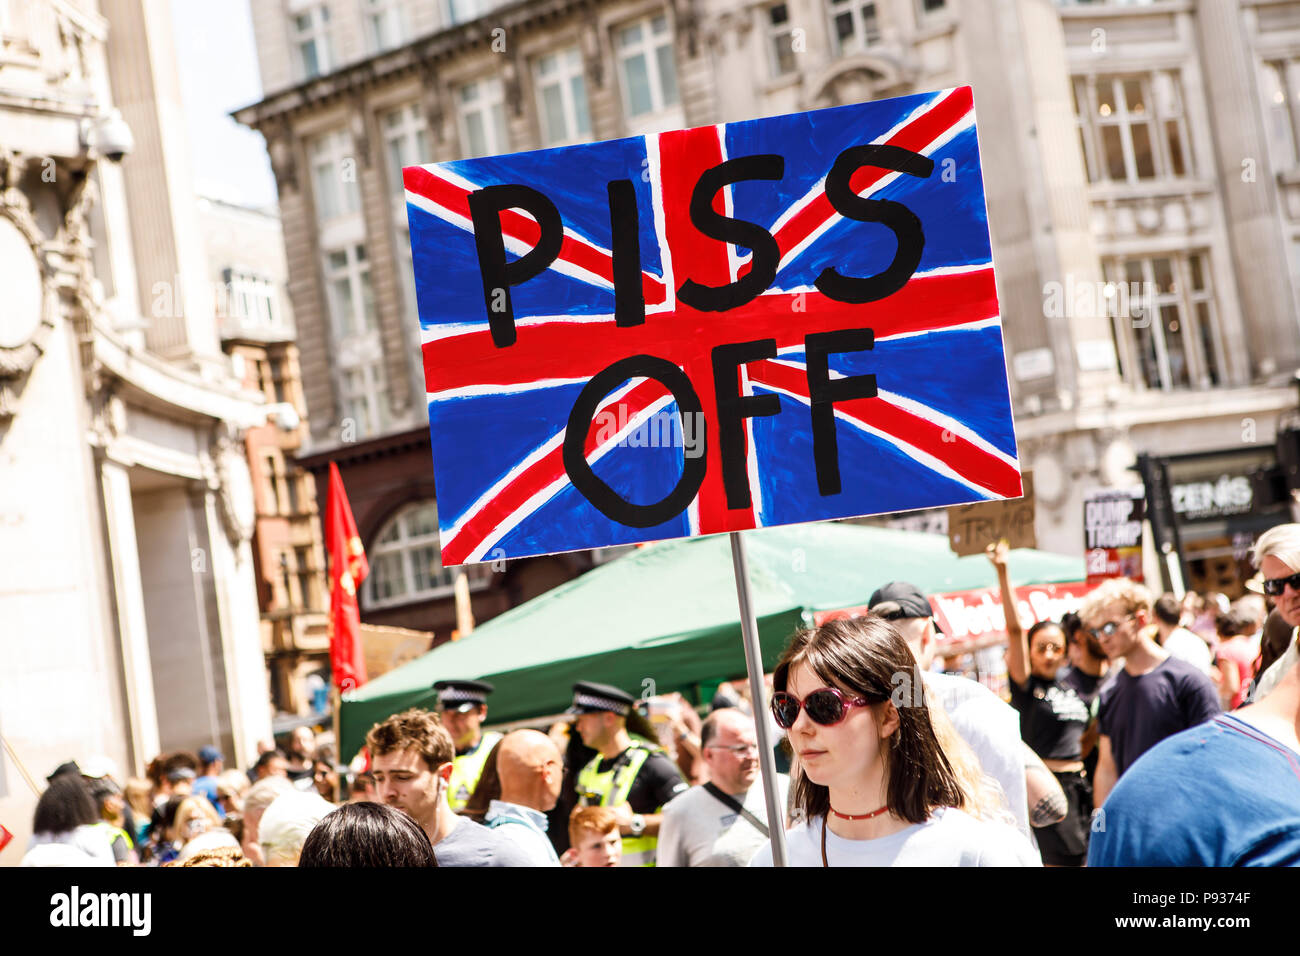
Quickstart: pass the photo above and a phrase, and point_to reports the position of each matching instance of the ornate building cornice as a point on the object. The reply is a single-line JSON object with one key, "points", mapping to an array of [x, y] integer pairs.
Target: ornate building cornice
{"points": [[21, 346]]}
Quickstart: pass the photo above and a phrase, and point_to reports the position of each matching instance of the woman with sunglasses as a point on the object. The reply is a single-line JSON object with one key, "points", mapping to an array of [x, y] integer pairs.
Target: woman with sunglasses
{"points": [[871, 783]]}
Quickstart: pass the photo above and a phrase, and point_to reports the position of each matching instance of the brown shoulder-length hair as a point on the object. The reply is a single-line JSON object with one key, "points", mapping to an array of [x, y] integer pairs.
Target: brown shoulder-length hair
{"points": [[869, 658]]}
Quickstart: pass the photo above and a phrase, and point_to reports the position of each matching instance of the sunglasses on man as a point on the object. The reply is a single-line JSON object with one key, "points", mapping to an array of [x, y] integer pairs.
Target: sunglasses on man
{"points": [[1274, 587], [1107, 629]]}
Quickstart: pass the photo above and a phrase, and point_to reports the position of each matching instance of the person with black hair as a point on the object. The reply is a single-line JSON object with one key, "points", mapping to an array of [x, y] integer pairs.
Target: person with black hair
{"points": [[367, 835], [270, 763], [1053, 720], [63, 827], [1177, 640]]}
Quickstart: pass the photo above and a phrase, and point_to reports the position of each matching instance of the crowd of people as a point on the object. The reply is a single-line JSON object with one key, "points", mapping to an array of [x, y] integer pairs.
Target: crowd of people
{"points": [[1141, 730]]}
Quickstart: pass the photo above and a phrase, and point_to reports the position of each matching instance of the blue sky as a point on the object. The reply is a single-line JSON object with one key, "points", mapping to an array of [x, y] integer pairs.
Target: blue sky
{"points": [[218, 69]]}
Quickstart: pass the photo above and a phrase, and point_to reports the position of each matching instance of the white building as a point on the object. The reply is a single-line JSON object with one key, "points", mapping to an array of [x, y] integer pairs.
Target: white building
{"points": [[128, 613]]}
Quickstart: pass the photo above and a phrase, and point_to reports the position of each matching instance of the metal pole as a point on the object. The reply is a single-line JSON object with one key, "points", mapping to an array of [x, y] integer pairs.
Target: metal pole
{"points": [[758, 695], [339, 760]]}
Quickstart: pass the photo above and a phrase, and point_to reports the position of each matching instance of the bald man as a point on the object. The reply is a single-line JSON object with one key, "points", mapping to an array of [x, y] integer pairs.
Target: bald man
{"points": [[531, 772]]}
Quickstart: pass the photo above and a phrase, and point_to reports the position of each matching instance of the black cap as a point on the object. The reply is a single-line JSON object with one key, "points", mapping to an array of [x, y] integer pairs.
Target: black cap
{"points": [[911, 602], [462, 694], [899, 600], [589, 698], [64, 768]]}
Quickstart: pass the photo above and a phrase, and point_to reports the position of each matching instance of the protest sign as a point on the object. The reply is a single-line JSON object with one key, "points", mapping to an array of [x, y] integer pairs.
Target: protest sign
{"points": [[967, 619], [972, 528], [706, 330], [1112, 532]]}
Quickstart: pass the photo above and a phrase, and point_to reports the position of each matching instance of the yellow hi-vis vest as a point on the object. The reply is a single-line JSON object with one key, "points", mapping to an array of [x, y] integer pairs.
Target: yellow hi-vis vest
{"points": [[466, 770], [610, 788]]}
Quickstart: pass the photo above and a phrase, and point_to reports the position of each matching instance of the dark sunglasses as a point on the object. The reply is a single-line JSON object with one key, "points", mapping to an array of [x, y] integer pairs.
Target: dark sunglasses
{"points": [[826, 706], [1109, 628], [1274, 587]]}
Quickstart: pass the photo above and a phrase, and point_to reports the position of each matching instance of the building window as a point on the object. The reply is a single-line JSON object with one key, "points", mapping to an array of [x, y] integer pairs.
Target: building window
{"points": [[854, 25], [311, 38], [406, 269], [780, 40], [292, 485], [334, 176], [562, 97], [264, 378], [1132, 128], [384, 23], [482, 109], [1168, 335], [406, 563], [406, 140], [305, 576], [931, 6], [351, 299], [250, 298], [364, 398], [645, 56], [277, 379], [1280, 84], [463, 11], [270, 492]]}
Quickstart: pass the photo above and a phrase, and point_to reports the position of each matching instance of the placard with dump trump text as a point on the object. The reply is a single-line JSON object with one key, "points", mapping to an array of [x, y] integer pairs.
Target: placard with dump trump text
{"points": [[736, 326]]}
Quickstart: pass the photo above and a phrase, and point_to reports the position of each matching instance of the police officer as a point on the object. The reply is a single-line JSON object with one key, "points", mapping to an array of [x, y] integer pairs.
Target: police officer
{"points": [[463, 706], [629, 774]]}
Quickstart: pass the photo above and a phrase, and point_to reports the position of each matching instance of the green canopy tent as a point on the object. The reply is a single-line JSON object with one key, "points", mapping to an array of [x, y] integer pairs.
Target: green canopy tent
{"points": [[665, 617]]}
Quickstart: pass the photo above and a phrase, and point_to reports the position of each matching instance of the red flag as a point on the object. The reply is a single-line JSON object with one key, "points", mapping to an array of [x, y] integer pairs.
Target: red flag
{"points": [[348, 568]]}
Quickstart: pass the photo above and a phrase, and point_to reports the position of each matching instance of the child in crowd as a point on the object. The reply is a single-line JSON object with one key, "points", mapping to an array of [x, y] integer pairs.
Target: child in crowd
{"points": [[593, 838]]}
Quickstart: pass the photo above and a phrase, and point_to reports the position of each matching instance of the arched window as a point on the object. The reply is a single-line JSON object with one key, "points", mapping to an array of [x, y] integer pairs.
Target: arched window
{"points": [[406, 562]]}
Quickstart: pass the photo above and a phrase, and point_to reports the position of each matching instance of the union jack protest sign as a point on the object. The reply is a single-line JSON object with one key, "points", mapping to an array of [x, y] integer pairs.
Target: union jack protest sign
{"points": [[735, 326]]}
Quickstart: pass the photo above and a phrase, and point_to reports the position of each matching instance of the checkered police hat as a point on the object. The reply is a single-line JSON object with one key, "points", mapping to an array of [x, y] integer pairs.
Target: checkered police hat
{"points": [[589, 698], [462, 694]]}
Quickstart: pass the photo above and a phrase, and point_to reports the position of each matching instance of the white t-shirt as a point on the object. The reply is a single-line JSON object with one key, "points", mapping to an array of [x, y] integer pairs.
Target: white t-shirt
{"points": [[698, 829], [991, 728], [1278, 669], [1188, 646], [949, 838], [84, 846]]}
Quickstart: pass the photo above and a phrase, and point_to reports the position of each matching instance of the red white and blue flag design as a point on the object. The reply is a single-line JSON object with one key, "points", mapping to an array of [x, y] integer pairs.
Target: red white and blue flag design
{"points": [[937, 430]]}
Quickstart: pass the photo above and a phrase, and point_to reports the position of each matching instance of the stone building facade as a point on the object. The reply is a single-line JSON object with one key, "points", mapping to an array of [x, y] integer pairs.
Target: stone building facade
{"points": [[128, 601], [1128, 147]]}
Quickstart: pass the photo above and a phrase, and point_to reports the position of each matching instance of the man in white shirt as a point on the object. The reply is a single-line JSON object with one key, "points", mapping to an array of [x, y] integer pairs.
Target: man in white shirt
{"points": [[531, 773], [990, 727], [723, 822], [1177, 640], [1277, 555]]}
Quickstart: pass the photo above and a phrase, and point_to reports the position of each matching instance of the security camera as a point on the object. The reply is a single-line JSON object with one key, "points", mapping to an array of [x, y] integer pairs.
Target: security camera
{"points": [[112, 138]]}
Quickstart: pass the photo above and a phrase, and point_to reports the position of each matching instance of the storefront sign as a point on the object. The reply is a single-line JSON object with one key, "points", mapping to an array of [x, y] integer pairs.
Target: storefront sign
{"points": [[1204, 500]]}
